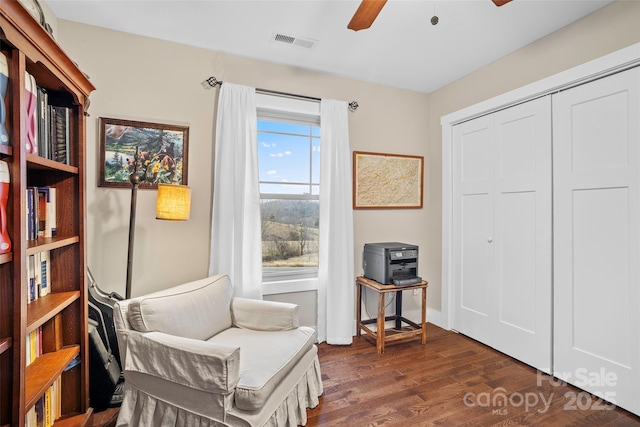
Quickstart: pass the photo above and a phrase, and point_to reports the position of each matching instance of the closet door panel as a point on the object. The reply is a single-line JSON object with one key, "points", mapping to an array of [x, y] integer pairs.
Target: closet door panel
{"points": [[523, 232], [476, 219], [597, 237], [473, 214], [601, 231], [517, 276], [502, 232]]}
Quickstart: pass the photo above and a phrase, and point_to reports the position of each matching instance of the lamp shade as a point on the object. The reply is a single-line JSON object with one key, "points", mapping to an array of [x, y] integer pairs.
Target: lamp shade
{"points": [[174, 202]]}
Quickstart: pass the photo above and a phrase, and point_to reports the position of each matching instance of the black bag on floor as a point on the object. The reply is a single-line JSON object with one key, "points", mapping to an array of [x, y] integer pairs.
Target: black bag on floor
{"points": [[104, 372]]}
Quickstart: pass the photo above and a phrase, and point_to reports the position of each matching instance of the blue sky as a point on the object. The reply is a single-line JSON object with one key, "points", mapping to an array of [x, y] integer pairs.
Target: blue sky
{"points": [[285, 158]]}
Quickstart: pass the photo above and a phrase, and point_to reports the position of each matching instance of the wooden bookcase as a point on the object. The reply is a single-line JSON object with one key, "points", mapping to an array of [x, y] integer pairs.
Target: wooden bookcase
{"points": [[61, 316]]}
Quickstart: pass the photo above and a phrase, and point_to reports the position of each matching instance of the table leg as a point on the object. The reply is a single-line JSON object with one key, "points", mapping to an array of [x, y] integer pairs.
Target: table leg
{"points": [[358, 308], [380, 331], [398, 310], [424, 315]]}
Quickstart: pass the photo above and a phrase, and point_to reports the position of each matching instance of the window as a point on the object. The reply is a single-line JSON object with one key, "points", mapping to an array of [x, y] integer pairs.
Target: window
{"points": [[289, 174]]}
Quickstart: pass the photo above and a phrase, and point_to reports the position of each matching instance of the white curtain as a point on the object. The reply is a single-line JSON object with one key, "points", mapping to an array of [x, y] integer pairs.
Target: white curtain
{"points": [[335, 264], [236, 237]]}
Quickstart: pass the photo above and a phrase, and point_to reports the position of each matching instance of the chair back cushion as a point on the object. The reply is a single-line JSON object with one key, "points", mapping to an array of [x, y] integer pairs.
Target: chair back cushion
{"points": [[198, 309]]}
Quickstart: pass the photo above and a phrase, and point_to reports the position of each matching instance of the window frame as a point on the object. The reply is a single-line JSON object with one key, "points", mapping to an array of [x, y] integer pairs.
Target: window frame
{"points": [[294, 111]]}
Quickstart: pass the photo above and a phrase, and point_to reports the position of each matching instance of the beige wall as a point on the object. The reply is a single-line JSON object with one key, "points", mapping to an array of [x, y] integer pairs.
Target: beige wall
{"points": [[145, 79], [151, 80]]}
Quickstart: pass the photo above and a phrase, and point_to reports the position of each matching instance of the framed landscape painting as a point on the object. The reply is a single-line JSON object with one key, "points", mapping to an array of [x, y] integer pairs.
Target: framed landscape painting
{"points": [[387, 181], [157, 152]]}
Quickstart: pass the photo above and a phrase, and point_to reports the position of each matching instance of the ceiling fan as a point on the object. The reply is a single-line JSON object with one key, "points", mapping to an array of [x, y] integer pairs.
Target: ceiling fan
{"points": [[369, 10]]}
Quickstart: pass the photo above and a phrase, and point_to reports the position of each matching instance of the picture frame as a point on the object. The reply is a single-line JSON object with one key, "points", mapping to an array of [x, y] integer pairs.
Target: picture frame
{"points": [[162, 159], [387, 181]]}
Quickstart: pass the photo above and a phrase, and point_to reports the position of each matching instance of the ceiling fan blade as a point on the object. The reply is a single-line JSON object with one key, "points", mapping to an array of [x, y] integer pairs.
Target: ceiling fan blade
{"points": [[500, 2], [366, 14]]}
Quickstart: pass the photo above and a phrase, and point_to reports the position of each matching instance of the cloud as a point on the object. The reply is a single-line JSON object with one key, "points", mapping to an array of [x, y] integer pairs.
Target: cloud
{"points": [[272, 172], [281, 154]]}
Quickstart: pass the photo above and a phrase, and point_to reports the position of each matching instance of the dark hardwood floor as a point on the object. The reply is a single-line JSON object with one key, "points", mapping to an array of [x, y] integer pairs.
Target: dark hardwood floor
{"points": [[451, 381], [106, 418]]}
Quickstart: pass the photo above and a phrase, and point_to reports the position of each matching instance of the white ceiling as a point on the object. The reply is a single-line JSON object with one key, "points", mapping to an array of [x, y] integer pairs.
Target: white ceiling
{"points": [[402, 48]]}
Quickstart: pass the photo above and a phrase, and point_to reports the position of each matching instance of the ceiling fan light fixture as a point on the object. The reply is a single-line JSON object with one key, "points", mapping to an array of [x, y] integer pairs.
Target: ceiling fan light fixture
{"points": [[368, 11]]}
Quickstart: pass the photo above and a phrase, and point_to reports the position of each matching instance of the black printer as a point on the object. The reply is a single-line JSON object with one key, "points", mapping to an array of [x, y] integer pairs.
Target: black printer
{"points": [[391, 263]]}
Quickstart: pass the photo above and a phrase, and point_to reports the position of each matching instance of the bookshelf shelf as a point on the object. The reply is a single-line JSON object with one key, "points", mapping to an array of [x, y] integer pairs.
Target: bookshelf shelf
{"points": [[44, 370], [44, 309], [77, 420], [5, 258], [36, 162], [5, 344], [50, 243], [44, 350]]}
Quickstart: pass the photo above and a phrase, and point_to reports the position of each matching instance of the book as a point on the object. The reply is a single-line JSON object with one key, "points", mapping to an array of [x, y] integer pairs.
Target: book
{"points": [[30, 223], [5, 180], [59, 117], [45, 273], [31, 277], [4, 80], [48, 204], [31, 118], [37, 282], [31, 418], [53, 223], [33, 352], [41, 199], [43, 122], [27, 352], [56, 398], [48, 412], [40, 412], [39, 341]]}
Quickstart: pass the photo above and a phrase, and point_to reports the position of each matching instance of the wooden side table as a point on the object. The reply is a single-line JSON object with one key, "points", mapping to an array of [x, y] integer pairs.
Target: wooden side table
{"points": [[381, 334]]}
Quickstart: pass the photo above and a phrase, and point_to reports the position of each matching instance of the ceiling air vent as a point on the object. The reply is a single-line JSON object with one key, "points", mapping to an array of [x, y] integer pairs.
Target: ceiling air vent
{"points": [[294, 41]]}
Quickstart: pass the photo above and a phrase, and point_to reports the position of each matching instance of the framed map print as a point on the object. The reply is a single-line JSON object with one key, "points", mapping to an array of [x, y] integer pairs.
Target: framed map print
{"points": [[387, 181]]}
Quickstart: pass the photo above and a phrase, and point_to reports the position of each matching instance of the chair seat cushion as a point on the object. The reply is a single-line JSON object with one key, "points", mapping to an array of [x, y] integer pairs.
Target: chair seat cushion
{"points": [[265, 358]]}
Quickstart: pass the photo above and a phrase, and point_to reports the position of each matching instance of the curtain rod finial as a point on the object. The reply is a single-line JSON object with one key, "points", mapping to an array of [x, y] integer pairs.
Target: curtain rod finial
{"points": [[353, 105], [211, 82]]}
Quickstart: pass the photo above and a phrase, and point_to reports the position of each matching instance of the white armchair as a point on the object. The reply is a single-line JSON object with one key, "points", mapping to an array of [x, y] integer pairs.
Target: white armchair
{"points": [[194, 356]]}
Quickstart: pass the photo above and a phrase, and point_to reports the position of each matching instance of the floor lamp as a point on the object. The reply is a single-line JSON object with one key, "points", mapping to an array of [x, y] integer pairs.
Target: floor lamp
{"points": [[174, 203]]}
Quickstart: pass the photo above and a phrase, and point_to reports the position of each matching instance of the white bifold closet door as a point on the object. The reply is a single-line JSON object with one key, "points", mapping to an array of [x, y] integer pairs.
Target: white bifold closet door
{"points": [[502, 231], [596, 158]]}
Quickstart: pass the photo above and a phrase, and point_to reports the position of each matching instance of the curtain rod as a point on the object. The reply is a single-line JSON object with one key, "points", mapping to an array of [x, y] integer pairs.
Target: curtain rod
{"points": [[212, 82]]}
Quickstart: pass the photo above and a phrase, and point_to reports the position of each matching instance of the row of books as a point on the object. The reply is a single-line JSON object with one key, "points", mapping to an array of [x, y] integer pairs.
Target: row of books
{"points": [[48, 408], [41, 212], [34, 345], [39, 275], [48, 125]]}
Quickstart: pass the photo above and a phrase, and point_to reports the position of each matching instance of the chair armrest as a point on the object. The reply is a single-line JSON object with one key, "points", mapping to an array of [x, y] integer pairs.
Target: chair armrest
{"points": [[201, 365], [262, 315]]}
